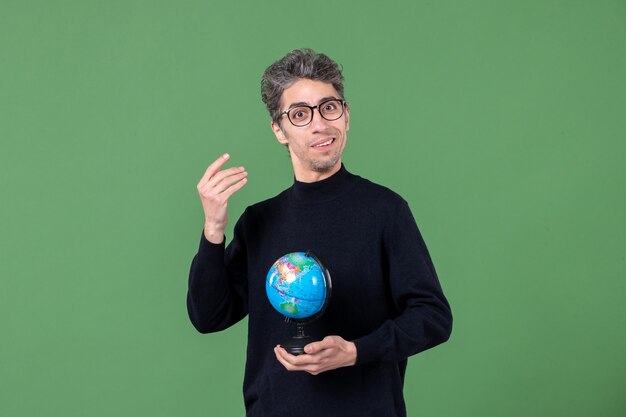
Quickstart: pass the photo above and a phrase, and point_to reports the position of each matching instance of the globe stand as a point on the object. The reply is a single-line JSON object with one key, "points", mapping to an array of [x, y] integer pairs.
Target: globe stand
{"points": [[305, 272], [296, 344]]}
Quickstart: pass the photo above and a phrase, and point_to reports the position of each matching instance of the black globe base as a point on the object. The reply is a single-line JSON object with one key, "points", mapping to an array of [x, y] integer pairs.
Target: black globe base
{"points": [[296, 344]]}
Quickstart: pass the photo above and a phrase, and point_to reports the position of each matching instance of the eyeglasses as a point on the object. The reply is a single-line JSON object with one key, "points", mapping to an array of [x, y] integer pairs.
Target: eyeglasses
{"points": [[302, 115]]}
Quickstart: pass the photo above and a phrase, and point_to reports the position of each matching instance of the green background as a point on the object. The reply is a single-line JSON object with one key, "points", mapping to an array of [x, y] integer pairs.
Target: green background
{"points": [[502, 123]]}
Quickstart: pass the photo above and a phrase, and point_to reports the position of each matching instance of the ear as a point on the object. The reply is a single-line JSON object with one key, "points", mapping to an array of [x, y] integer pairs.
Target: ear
{"points": [[347, 117], [278, 132]]}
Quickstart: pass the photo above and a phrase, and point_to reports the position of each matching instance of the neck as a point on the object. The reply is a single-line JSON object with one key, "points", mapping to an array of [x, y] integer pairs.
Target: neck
{"points": [[329, 188], [309, 176]]}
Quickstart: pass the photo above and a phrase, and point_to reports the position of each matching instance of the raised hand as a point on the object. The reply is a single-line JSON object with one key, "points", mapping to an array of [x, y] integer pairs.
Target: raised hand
{"points": [[215, 188]]}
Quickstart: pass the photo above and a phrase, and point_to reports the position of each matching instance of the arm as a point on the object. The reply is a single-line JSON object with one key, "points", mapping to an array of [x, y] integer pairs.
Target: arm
{"points": [[425, 318], [217, 293], [217, 297]]}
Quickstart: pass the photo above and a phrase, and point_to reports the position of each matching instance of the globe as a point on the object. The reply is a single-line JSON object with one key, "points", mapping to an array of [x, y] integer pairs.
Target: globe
{"points": [[298, 286]]}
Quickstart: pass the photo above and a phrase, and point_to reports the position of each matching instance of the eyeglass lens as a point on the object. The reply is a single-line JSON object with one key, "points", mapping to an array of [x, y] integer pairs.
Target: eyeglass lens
{"points": [[329, 110]]}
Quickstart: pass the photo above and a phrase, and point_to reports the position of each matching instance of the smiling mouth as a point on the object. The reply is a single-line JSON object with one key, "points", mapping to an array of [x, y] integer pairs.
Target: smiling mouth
{"points": [[325, 143]]}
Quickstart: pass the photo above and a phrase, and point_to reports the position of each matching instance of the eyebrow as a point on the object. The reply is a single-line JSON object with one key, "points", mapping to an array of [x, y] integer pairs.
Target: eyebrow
{"points": [[302, 103]]}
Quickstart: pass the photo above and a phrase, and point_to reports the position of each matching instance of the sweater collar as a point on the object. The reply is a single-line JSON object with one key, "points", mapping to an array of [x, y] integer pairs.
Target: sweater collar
{"points": [[327, 189]]}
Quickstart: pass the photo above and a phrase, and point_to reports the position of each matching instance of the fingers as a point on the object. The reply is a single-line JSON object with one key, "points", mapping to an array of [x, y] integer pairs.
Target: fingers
{"points": [[326, 343], [312, 348], [308, 363], [215, 187], [213, 168], [281, 355], [224, 184], [300, 360], [331, 353], [223, 179], [235, 187], [220, 184]]}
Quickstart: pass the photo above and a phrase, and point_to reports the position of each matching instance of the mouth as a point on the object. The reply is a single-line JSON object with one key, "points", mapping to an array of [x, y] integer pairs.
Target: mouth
{"points": [[324, 143]]}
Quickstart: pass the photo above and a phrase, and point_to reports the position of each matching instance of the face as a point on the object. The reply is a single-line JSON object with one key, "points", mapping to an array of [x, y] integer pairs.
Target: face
{"points": [[316, 148]]}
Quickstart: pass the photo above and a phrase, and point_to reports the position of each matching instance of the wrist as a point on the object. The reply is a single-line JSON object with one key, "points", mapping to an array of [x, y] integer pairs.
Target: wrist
{"points": [[351, 349], [214, 236]]}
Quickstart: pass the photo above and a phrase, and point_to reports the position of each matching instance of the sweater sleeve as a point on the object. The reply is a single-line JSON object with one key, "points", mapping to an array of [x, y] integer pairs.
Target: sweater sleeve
{"points": [[217, 294], [424, 318]]}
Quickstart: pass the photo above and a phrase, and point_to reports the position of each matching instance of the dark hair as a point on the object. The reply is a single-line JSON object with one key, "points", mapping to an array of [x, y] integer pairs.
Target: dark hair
{"points": [[299, 63]]}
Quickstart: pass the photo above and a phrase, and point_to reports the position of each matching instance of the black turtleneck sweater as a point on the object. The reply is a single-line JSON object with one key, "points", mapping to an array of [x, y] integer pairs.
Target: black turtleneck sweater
{"points": [[386, 297]]}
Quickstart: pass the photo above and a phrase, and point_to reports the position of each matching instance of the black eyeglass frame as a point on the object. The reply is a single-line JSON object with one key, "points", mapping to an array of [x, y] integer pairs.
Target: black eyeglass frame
{"points": [[343, 110]]}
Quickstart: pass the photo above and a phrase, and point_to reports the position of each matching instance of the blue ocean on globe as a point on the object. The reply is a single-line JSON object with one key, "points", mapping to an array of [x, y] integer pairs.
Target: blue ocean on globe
{"points": [[296, 286]]}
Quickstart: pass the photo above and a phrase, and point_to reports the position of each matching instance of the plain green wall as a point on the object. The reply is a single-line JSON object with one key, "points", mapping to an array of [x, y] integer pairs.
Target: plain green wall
{"points": [[502, 123]]}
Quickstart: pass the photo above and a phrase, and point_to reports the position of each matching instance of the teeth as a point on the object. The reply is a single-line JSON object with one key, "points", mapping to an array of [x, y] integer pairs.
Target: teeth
{"points": [[328, 142]]}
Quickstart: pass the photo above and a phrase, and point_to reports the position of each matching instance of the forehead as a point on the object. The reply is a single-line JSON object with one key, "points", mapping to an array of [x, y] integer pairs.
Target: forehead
{"points": [[307, 91]]}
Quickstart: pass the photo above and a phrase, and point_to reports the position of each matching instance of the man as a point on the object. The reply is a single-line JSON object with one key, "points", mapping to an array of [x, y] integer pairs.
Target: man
{"points": [[386, 303]]}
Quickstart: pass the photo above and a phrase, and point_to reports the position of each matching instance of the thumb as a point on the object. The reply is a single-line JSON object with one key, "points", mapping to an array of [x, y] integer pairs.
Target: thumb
{"points": [[313, 347], [326, 343]]}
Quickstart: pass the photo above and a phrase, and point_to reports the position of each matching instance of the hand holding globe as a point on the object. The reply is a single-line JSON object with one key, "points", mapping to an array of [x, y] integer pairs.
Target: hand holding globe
{"points": [[330, 353]]}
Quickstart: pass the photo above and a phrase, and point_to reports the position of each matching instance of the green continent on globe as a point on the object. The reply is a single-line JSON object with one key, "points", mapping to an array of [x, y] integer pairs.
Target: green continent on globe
{"points": [[300, 260], [290, 308]]}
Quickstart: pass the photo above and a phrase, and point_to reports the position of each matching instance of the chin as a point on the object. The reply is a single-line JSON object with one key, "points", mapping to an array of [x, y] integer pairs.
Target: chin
{"points": [[324, 166]]}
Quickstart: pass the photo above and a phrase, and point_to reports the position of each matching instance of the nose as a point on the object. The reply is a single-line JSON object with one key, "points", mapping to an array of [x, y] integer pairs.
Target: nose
{"points": [[318, 122]]}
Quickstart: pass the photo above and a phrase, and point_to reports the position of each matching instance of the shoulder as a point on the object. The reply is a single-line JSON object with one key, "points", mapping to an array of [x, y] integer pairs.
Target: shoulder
{"points": [[379, 196], [265, 207]]}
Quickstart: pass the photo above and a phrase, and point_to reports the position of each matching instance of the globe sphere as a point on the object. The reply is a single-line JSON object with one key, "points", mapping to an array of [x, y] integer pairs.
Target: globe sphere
{"points": [[298, 286]]}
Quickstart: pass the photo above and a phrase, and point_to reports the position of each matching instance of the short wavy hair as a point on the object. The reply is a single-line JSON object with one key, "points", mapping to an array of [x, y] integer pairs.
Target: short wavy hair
{"points": [[297, 64]]}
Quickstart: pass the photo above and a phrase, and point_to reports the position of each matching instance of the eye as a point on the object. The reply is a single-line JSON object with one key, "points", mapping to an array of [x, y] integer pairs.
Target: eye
{"points": [[299, 113], [330, 106]]}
